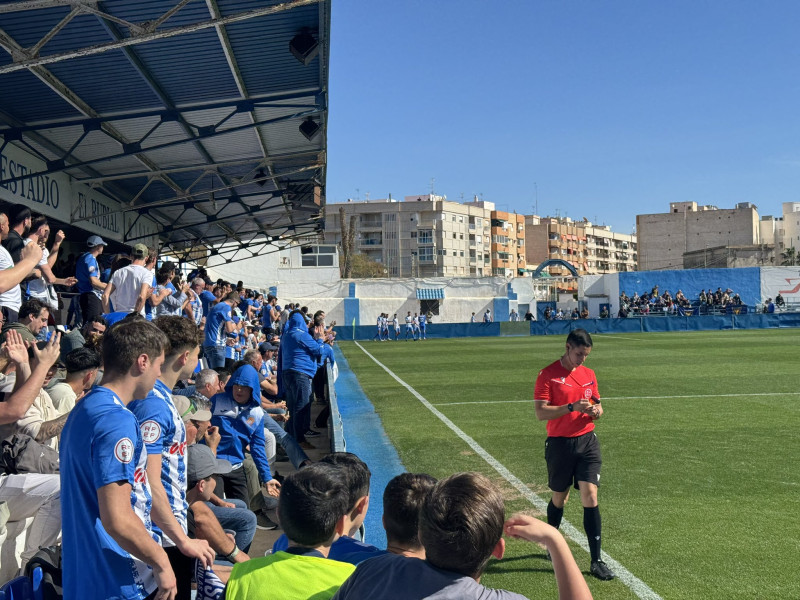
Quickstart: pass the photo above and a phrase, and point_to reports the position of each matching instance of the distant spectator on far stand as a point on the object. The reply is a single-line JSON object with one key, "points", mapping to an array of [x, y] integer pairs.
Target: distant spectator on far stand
{"points": [[514, 316], [529, 316], [88, 274], [487, 316]]}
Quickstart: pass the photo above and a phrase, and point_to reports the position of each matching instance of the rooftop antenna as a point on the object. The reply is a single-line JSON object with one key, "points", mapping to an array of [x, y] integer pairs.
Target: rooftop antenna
{"points": [[433, 184]]}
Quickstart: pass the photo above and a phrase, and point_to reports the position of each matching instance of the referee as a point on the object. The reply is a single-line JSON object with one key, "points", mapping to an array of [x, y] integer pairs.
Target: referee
{"points": [[566, 397]]}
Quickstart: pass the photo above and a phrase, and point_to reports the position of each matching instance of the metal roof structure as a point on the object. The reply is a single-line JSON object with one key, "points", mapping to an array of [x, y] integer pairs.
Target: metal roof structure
{"points": [[192, 115]]}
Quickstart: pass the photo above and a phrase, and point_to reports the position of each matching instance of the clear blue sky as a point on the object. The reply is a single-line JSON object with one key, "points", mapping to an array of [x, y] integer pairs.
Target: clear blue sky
{"points": [[612, 108]]}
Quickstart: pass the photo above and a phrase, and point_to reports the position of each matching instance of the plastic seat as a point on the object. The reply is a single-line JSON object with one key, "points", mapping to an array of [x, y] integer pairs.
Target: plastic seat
{"points": [[20, 588]]}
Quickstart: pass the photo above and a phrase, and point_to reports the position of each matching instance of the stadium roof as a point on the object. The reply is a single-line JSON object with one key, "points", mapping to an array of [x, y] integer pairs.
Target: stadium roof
{"points": [[192, 117]]}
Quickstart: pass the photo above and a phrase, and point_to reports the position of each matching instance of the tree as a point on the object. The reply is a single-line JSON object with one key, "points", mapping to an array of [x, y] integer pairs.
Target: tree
{"points": [[364, 267], [790, 257], [348, 244]]}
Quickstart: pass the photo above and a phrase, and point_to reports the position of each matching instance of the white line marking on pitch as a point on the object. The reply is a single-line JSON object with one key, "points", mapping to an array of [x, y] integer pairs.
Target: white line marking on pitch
{"points": [[630, 398], [637, 586]]}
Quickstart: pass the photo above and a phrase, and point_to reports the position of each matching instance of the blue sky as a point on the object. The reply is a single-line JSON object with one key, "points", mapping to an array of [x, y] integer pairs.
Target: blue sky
{"points": [[608, 108]]}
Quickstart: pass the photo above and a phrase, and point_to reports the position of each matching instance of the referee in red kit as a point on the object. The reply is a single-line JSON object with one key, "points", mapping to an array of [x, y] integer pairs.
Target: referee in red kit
{"points": [[566, 397]]}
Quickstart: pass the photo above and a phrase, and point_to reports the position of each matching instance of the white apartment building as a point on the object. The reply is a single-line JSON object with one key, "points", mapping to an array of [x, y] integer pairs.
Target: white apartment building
{"points": [[422, 236]]}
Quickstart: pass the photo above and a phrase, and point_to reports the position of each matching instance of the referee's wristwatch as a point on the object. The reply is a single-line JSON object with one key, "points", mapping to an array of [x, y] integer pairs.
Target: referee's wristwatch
{"points": [[570, 408]]}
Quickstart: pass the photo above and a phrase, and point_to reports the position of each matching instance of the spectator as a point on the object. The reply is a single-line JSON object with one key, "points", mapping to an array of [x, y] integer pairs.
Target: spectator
{"points": [[356, 476], [312, 504], [194, 308], [41, 286], [402, 500], [164, 436], [166, 298], [20, 221], [129, 287], [12, 273], [238, 414], [461, 528], [487, 316], [41, 421], [106, 511], [82, 366], [219, 324], [299, 356], [529, 316], [513, 316], [585, 313], [30, 495], [89, 284], [33, 316]]}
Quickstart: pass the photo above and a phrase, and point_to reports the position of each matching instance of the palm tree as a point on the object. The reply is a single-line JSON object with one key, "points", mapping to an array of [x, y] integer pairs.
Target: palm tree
{"points": [[790, 257]]}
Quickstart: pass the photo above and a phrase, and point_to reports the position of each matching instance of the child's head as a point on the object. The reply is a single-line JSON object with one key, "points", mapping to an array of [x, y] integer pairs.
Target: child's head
{"points": [[356, 476], [402, 500], [312, 505]]}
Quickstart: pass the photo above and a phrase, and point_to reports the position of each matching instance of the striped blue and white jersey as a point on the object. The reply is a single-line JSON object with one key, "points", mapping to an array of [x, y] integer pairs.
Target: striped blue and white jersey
{"points": [[164, 433]]}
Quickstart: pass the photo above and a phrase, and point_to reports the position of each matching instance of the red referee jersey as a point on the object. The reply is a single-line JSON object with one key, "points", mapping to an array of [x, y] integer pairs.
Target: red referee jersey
{"points": [[559, 386]]}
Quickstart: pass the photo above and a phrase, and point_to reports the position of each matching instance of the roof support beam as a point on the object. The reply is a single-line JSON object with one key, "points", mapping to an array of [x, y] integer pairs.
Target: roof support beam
{"points": [[142, 37]]}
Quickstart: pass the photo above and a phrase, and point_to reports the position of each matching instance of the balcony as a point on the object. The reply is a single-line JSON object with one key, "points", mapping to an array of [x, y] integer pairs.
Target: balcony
{"points": [[370, 224], [370, 242]]}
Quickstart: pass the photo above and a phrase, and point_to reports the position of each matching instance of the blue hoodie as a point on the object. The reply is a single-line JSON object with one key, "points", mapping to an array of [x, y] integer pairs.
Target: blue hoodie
{"points": [[240, 425], [299, 351]]}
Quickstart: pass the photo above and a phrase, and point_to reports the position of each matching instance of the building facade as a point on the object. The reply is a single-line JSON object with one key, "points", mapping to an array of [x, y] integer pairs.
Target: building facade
{"points": [[429, 236], [590, 249], [664, 238]]}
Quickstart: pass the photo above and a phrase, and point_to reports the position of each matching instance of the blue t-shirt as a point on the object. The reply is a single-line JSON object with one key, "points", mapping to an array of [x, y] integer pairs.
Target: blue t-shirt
{"points": [[215, 324], [207, 298], [422, 321], [344, 549], [101, 444], [87, 267], [164, 433]]}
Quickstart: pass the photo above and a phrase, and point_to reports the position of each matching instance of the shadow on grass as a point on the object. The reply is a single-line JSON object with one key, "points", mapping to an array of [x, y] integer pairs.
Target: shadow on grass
{"points": [[536, 563]]}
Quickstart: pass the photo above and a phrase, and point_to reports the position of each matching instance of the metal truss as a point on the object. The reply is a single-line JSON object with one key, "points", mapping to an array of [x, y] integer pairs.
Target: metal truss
{"points": [[139, 32]]}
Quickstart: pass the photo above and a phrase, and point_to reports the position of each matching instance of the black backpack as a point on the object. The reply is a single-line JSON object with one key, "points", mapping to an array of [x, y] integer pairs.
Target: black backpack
{"points": [[20, 453], [49, 559]]}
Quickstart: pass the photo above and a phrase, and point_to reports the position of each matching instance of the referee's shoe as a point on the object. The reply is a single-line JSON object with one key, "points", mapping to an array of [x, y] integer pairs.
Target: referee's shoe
{"points": [[600, 570]]}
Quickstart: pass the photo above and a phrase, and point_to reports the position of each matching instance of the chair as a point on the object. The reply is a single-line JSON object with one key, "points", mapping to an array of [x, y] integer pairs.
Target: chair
{"points": [[22, 588]]}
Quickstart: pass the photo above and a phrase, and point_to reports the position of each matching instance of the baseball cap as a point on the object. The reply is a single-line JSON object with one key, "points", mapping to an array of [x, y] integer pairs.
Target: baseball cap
{"points": [[201, 463], [266, 346], [95, 240], [140, 251], [187, 409]]}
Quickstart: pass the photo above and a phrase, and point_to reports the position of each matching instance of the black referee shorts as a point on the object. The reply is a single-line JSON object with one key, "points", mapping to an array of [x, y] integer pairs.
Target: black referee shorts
{"points": [[572, 459]]}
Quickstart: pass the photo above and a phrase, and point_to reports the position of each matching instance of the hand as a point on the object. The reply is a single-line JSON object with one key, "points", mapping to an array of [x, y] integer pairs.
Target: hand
{"points": [[224, 504], [272, 487], [14, 347], [212, 438], [582, 407], [596, 411], [70, 281], [167, 584], [198, 549], [528, 528], [60, 237], [49, 354], [32, 251], [281, 404]]}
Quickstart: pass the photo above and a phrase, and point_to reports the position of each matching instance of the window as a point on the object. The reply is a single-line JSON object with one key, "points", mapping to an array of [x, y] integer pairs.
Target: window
{"points": [[461, 236], [425, 254], [425, 236], [454, 218], [455, 252], [461, 253], [413, 235], [478, 239], [317, 256], [426, 306], [390, 218], [460, 219], [454, 235]]}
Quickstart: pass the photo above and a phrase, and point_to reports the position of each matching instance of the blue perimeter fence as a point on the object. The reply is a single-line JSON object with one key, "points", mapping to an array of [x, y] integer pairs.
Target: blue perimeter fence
{"points": [[612, 325]]}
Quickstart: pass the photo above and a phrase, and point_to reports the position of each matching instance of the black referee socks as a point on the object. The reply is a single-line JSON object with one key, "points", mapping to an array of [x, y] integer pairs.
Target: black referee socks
{"points": [[554, 514], [591, 524]]}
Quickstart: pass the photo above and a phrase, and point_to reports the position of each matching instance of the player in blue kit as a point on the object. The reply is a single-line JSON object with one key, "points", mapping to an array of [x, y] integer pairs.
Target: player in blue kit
{"points": [[109, 549], [423, 324], [164, 435]]}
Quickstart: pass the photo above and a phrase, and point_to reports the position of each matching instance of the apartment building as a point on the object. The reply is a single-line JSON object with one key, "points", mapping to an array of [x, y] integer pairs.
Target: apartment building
{"points": [[421, 236], [664, 238], [508, 244], [590, 249]]}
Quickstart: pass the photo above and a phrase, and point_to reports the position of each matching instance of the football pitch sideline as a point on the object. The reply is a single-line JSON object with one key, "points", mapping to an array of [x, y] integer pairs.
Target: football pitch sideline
{"points": [[701, 453]]}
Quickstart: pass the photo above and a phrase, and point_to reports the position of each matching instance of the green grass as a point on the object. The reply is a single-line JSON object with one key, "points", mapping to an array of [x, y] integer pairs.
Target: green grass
{"points": [[699, 492]]}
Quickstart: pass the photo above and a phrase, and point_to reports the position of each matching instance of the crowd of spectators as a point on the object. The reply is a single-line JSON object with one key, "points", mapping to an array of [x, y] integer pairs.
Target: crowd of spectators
{"points": [[656, 302], [134, 457]]}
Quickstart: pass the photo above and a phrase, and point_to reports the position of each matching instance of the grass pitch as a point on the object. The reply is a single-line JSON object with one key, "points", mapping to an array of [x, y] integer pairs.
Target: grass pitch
{"points": [[701, 451]]}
